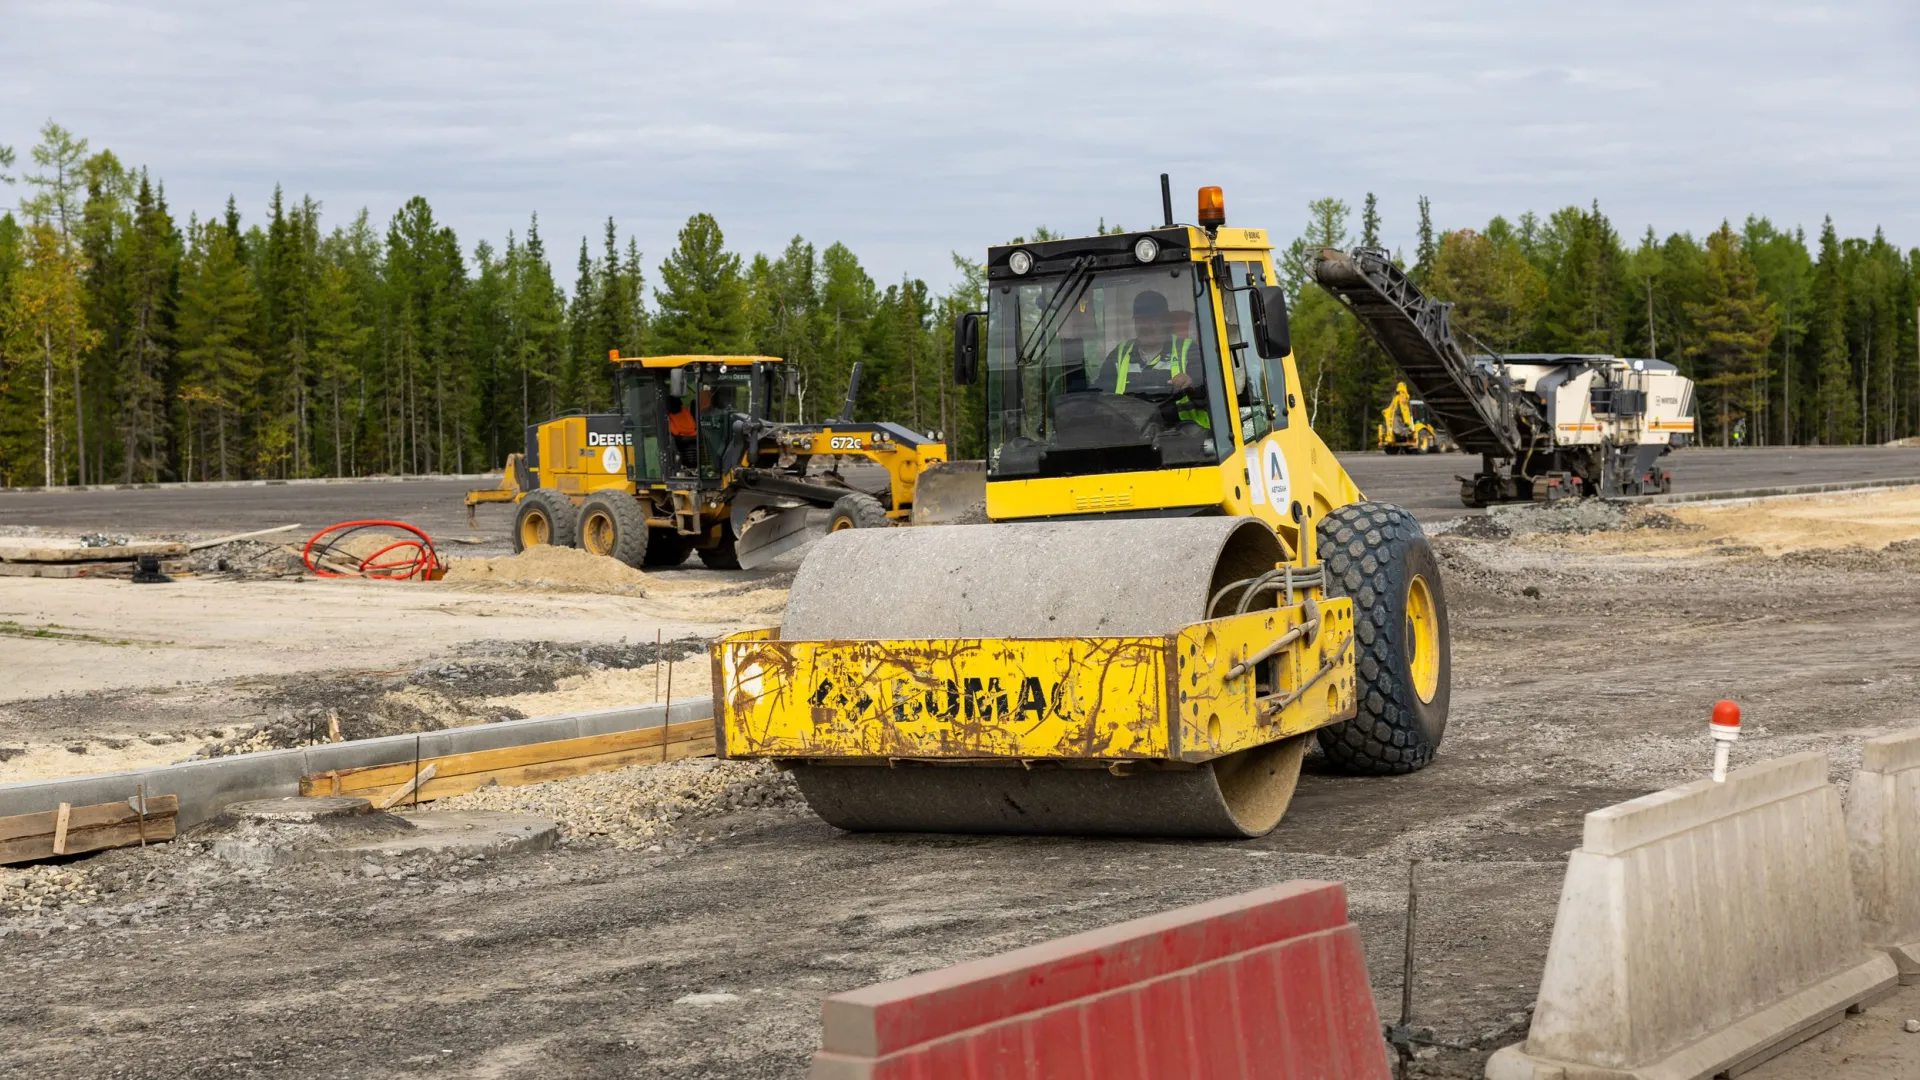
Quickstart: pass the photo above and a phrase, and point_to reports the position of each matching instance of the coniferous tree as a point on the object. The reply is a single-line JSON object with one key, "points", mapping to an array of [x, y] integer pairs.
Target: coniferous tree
{"points": [[1834, 408], [1736, 325], [145, 356], [702, 295], [217, 304], [1370, 222]]}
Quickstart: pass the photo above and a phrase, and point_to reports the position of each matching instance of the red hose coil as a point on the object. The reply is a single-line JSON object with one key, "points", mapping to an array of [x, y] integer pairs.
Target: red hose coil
{"points": [[412, 557]]}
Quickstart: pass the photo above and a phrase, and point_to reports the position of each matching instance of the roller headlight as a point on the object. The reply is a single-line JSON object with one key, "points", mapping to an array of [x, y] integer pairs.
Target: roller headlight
{"points": [[1146, 249], [1020, 262]]}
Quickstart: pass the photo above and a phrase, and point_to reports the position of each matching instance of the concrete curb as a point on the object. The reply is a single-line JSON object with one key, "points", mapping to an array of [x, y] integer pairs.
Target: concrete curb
{"points": [[210, 485], [205, 787], [1883, 831], [1767, 492], [1701, 930]]}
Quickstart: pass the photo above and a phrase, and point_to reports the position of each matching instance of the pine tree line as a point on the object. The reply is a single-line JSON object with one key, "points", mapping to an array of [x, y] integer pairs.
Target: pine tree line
{"points": [[135, 348], [1786, 343]]}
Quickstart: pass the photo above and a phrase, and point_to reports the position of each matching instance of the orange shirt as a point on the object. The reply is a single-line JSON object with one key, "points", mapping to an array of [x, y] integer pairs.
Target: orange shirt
{"points": [[680, 422]]}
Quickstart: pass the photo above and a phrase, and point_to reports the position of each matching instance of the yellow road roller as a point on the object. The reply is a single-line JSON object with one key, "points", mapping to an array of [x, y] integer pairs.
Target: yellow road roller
{"points": [[1178, 585]]}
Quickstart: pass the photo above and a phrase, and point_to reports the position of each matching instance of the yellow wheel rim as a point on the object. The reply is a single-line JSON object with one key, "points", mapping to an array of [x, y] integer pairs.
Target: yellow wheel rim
{"points": [[535, 530], [1423, 639], [596, 533], [840, 524]]}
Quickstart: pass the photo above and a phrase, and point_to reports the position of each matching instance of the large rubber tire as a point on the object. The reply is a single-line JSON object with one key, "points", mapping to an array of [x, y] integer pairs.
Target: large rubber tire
{"points": [[721, 556], [1377, 554], [545, 517], [665, 548], [857, 511], [612, 524]]}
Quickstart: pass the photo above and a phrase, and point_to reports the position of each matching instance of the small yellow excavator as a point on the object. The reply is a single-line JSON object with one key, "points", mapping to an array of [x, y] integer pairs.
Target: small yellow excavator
{"points": [[692, 463], [1407, 427], [1178, 587]]}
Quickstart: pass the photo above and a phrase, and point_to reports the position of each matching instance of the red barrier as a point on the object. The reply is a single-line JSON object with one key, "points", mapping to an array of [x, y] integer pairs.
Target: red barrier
{"points": [[1268, 984]]}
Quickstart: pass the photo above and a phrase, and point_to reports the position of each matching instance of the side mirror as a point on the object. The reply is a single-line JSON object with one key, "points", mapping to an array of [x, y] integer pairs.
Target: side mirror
{"points": [[966, 347], [793, 382], [1270, 332], [677, 382]]}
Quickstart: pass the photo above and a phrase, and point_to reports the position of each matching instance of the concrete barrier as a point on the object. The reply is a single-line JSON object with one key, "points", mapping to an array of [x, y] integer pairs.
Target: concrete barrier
{"points": [[1270, 983], [1701, 930], [205, 787], [1883, 827]]}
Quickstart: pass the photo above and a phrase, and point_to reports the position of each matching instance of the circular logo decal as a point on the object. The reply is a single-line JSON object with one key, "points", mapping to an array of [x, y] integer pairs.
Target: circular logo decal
{"points": [[1273, 474], [610, 459]]}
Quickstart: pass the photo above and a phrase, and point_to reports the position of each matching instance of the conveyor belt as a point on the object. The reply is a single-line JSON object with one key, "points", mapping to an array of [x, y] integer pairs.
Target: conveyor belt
{"points": [[1476, 403]]}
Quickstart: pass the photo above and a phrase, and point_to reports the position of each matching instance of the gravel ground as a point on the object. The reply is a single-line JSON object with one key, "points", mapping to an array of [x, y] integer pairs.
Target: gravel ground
{"points": [[1585, 663]]}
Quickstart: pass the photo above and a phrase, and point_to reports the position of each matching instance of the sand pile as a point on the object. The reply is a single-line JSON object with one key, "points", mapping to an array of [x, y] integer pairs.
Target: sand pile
{"points": [[549, 568], [1871, 519]]}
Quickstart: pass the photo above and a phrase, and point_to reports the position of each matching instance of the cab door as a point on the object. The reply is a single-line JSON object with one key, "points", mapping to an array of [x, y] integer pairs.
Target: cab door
{"points": [[646, 427]]}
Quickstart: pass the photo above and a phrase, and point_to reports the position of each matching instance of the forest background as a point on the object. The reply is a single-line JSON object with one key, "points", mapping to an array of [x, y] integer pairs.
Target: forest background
{"points": [[138, 348]]}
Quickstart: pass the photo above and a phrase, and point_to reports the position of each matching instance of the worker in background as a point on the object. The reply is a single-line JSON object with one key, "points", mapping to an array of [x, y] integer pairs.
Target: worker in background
{"points": [[1154, 363], [679, 418], [680, 428]]}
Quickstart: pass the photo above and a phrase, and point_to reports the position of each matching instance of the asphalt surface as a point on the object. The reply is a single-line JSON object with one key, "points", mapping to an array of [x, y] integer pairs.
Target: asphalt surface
{"points": [[1423, 484]]}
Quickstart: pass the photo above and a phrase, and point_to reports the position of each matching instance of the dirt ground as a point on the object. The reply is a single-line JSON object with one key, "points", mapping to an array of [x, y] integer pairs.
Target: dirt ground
{"points": [[694, 915]]}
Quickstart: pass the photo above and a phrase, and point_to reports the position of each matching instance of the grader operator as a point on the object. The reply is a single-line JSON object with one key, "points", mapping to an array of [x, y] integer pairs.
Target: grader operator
{"points": [[1179, 587]]}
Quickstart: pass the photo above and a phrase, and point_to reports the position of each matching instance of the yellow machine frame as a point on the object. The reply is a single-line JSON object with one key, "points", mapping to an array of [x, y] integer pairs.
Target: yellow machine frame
{"points": [[1184, 697], [571, 462]]}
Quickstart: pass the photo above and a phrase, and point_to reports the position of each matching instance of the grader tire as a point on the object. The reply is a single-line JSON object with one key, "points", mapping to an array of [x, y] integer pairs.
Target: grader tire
{"points": [[721, 556], [613, 525], [665, 548], [1377, 554], [545, 517], [857, 511]]}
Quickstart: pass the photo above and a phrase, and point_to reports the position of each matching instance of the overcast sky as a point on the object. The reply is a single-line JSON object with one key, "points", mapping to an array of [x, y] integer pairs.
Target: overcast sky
{"points": [[907, 131]]}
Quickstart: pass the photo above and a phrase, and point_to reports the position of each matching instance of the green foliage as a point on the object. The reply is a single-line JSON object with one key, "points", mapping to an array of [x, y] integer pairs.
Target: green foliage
{"points": [[702, 302], [1736, 324], [134, 350]]}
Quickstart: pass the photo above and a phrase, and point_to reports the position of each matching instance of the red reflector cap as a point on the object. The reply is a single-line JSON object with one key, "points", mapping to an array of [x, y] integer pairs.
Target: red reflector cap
{"points": [[1726, 714]]}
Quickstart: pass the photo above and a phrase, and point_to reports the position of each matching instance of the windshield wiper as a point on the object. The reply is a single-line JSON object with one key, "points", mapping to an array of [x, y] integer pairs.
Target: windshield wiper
{"points": [[1072, 287]]}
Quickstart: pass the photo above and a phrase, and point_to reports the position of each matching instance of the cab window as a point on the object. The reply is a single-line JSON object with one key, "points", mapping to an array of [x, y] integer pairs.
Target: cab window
{"points": [[1254, 380]]}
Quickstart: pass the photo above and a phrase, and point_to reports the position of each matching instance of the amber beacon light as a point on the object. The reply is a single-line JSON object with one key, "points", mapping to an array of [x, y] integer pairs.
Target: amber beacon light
{"points": [[1213, 208]]}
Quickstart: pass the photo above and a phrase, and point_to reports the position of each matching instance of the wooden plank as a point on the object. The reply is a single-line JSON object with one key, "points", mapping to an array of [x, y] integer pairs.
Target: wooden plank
{"points": [[92, 816], [202, 545], [379, 777], [80, 841], [61, 818], [85, 570], [17, 551], [407, 788], [689, 739]]}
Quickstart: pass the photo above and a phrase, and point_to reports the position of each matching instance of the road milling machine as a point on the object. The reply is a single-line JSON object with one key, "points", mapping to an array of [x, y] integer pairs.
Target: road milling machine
{"points": [[1406, 427], [1545, 425], [693, 462], [1178, 586]]}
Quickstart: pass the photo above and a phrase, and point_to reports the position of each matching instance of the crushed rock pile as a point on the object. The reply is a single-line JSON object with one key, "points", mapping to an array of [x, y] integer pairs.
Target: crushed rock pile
{"points": [[249, 559], [638, 807], [548, 568]]}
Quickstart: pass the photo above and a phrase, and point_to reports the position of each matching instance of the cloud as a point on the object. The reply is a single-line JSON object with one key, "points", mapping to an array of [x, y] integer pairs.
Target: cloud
{"points": [[906, 131]]}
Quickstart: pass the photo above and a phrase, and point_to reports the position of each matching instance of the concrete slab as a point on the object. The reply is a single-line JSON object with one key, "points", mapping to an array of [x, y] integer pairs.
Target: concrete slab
{"points": [[1883, 831], [1701, 929]]}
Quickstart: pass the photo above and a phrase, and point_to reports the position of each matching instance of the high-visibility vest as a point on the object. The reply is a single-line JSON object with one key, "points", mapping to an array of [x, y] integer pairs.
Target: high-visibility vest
{"points": [[1176, 361]]}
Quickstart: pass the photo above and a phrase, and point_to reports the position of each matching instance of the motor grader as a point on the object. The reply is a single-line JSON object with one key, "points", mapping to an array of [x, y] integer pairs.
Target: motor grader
{"points": [[1179, 586], [693, 462]]}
